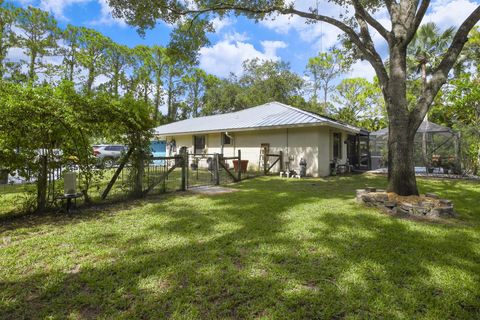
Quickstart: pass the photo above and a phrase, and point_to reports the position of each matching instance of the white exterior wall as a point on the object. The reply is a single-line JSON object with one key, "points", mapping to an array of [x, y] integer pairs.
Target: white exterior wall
{"points": [[314, 144]]}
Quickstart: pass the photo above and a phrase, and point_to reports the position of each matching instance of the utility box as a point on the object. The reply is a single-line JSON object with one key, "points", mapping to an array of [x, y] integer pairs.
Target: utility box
{"points": [[303, 167], [70, 183]]}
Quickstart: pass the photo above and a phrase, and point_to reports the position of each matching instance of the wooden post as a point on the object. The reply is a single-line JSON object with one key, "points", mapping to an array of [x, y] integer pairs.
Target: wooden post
{"points": [[183, 153], [239, 165], [116, 174], [280, 155], [42, 183], [216, 168], [265, 161], [140, 172]]}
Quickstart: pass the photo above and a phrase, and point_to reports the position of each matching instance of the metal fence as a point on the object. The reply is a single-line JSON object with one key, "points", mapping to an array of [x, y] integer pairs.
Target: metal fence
{"points": [[120, 182]]}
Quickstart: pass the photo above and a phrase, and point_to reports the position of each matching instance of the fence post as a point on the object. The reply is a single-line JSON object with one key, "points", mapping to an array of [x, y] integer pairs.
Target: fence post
{"points": [[117, 173], [42, 183], [139, 164], [183, 153], [216, 167], [239, 165], [265, 161], [280, 154]]}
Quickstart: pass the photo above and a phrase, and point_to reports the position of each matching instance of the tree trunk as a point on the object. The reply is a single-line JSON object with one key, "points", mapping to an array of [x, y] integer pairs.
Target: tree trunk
{"points": [[401, 133], [31, 67], [90, 79], [401, 164], [171, 112], [139, 172], [42, 182], [158, 88], [2, 67], [71, 71], [116, 79]]}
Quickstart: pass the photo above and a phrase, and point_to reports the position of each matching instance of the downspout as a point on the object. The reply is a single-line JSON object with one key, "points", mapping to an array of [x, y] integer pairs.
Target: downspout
{"points": [[288, 153], [231, 140]]}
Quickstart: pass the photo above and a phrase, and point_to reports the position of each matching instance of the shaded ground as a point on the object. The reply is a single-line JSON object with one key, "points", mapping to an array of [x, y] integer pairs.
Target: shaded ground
{"points": [[278, 249]]}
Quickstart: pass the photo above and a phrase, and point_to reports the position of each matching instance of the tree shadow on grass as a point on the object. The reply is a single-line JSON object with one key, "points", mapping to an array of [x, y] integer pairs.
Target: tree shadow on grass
{"points": [[271, 250]]}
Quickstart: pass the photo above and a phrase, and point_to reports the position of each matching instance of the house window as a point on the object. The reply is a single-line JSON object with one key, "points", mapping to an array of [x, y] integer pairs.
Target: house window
{"points": [[198, 144], [226, 139], [337, 145]]}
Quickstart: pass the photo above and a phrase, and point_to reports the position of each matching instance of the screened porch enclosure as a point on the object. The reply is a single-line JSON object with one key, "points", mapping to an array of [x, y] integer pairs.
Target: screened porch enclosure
{"points": [[437, 149]]}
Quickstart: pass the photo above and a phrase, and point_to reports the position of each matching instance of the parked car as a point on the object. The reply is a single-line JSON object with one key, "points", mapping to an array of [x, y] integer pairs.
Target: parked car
{"points": [[109, 154]]}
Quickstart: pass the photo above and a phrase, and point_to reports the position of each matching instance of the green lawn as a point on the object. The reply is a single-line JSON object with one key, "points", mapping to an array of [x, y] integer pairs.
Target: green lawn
{"points": [[276, 249]]}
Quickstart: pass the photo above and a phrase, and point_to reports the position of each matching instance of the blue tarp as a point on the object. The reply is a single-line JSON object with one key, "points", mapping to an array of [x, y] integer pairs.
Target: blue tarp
{"points": [[159, 149]]}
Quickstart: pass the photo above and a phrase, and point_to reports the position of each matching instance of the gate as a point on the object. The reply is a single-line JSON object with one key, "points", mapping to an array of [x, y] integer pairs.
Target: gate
{"points": [[212, 169]]}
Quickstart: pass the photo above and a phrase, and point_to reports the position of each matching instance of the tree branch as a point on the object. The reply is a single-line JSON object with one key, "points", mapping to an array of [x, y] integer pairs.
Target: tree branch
{"points": [[418, 19], [368, 42], [440, 74], [371, 55], [369, 52], [360, 10]]}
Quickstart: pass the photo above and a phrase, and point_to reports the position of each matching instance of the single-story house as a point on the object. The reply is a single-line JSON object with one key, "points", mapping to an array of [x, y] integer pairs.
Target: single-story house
{"points": [[275, 126]]}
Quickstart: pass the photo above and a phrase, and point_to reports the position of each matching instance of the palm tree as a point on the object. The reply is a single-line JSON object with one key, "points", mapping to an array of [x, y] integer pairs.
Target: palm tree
{"points": [[427, 47], [424, 54]]}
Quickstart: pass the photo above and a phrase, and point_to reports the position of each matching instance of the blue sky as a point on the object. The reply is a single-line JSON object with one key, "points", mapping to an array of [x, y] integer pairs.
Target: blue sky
{"points": [[238, 39]]}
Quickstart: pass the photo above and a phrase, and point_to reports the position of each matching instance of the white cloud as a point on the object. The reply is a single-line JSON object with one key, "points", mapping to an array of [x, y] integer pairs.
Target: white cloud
{"points": [[106, 17], [101, 79], [228, 56], [362, 69], [219, 24], [321, 35], [236, 36], [16, 54], [57, 7], [271, 47], [448, 13]]}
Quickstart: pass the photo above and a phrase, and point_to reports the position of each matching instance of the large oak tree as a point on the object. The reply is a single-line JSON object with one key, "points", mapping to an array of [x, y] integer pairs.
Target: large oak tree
{"points": [[358, 24]]}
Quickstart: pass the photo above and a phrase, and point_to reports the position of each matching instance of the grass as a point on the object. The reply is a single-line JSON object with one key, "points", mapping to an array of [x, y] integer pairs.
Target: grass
{"points": [[276, 249]]}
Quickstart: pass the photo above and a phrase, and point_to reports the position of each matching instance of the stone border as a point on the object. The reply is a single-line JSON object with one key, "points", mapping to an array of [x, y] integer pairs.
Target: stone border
{"points": [[433, 206]]}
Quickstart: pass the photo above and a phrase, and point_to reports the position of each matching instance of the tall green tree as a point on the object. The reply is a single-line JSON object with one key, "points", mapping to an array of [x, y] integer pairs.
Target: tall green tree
{"points": [[69, 50], [424, 54], [159, 64], [38, 37], [8, 37], [91, 56], [426, 49], [266, 81], [324, 69], [357, 22], [261, 82], [195, 83], [174, 88], [143, 71], [359, 102], [221, 95], [117, 58]]}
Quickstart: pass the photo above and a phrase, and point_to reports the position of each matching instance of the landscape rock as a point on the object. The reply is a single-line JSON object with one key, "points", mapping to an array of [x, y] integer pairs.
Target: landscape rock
{"points": [[430, 205], [446, 202]]}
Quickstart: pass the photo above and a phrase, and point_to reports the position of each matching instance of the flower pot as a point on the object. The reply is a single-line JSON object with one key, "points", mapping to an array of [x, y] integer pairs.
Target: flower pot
{"points": [[243, 164]]}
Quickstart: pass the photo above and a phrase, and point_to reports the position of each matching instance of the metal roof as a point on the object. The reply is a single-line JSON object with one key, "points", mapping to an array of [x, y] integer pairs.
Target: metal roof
{"points": [[267, 116], [425, 127]]}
